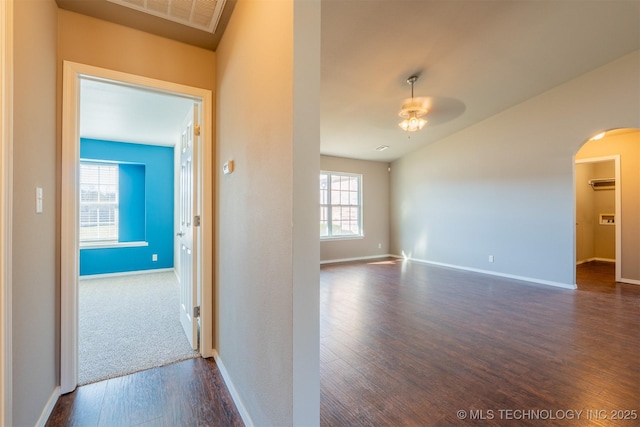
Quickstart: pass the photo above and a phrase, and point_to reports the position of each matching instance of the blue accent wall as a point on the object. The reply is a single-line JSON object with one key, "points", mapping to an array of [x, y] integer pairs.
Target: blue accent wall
{"points": [[132, 224], [145, 208]]}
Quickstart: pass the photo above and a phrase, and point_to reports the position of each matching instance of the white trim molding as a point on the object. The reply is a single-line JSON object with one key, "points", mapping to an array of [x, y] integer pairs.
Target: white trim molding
{"points": [[126, 273], [629, 281], [48, 408], [493, 273], [242, 410], [72, 74], [6, 209], [362, 258]]}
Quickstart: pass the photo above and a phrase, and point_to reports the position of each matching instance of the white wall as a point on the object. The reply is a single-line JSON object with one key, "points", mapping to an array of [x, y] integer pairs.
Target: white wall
{"points": [[267, 242], [35, 307], [504, 187], [375, 210]]}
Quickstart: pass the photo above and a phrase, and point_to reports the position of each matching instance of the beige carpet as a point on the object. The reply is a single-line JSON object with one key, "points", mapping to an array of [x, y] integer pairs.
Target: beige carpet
{"points": [[128, 324]]}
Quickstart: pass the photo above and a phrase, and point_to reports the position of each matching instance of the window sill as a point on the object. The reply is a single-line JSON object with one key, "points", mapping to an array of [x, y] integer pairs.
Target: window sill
{"points": [[111, 245], [331, 239]]}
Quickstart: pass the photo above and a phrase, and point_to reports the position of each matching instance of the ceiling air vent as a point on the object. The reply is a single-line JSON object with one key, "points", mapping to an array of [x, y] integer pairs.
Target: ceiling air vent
{"points": [[200, 14], [603, 183]]}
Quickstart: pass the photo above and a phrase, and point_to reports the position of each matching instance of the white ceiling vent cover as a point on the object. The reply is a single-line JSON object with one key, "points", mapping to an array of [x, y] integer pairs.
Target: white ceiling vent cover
{"points": [[200, 14]]}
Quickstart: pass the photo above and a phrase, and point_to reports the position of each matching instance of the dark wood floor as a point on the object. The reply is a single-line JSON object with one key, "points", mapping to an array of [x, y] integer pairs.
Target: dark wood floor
{"points": [[406, 344], [411, 344], [600, 276], [189, 393]]}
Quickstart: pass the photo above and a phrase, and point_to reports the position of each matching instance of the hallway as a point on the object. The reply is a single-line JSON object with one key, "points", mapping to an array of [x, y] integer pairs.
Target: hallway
{"points": [[188, 393]]}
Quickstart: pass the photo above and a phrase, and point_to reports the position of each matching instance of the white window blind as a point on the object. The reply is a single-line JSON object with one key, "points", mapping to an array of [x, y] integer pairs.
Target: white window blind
{"points": [[98, 202], [340, 205]]}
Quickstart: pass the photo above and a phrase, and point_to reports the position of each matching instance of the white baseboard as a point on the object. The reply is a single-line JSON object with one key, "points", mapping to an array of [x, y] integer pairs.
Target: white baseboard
{"points": [[46, 412], [362, 258], [125, 273], [629, 281], [244, 414], [495, 273]]}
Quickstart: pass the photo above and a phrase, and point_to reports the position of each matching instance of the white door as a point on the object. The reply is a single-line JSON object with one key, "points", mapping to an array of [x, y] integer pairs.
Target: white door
{"points": [[187, 235]]}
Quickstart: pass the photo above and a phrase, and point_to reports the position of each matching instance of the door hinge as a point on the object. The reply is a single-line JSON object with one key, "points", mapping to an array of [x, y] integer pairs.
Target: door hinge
{"points": [[196, 130], [196, 221], [196, 312]]}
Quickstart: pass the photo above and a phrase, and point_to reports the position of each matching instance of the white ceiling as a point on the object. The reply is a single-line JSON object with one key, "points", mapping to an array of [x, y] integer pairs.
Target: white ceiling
{"points": [[121, 113], [475, 59]]}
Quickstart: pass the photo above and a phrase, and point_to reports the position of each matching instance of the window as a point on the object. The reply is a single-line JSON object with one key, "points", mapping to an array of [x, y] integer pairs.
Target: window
{"points": [[340, 205], [98, 202]]}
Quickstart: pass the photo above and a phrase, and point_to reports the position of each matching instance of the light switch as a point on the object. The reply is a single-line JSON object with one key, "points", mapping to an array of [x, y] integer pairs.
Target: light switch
{"points": [[38, 199]]}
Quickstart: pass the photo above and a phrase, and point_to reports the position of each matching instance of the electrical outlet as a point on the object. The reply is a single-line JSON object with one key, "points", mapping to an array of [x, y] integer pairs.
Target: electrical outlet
{"points": [[379, 245], [490, 258], [154, 257]]}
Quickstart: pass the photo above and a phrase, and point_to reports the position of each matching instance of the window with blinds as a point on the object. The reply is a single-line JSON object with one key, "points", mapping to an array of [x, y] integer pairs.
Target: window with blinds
{"points": [[98, 202]]}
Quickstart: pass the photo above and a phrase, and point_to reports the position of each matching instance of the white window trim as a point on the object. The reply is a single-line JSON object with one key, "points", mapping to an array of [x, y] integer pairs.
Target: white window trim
{"points": [[102, 241], [108, 244], [360, 208]]}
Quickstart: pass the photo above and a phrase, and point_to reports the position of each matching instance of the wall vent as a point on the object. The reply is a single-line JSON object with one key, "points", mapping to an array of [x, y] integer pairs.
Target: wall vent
{"points": [[603, 183]]}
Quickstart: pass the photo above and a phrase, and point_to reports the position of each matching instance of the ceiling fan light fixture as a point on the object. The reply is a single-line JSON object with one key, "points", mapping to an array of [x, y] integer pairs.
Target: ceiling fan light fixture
{"points": [[412, 111], [412, 107], [413, 123]]}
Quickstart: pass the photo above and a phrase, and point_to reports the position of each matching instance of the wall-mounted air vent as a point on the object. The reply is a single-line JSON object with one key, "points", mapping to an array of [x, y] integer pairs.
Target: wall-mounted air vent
{"points": [[603, 183]]}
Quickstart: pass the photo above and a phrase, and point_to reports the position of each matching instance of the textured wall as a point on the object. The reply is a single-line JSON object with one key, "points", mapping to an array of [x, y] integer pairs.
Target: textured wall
{"points": [[375, 210], [157, 209], [268, 123], [35, 247], [100, 43], [504, 186]]}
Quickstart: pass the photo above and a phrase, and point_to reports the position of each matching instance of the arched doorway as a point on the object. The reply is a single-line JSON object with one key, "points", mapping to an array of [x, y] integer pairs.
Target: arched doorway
{"points": [[607, 184]]}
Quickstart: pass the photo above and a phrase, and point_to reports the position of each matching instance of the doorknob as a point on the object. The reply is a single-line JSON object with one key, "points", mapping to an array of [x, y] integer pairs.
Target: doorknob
{"points": [[180, 234]]}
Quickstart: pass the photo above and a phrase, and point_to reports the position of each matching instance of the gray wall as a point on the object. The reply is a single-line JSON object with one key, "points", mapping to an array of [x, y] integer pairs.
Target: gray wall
{"points": [[35, 251], [267, 243], [504, 187], [375, 210]]}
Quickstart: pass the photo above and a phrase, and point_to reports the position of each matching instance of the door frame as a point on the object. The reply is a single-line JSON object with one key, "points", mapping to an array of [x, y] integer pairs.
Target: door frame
{"points": [[618, 213], [72, 74], [6, 209]]}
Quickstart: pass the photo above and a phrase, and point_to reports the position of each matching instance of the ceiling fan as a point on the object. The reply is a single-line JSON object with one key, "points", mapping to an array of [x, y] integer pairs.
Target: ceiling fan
{"points": [[440, 110], [413, 109]]}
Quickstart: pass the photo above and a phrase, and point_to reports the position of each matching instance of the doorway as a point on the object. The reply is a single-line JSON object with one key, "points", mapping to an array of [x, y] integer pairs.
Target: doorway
{"points": [[130, 138], [74, 74], [598, 219]]}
